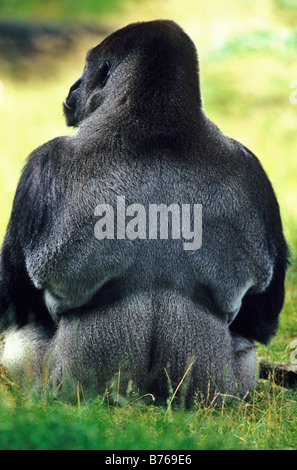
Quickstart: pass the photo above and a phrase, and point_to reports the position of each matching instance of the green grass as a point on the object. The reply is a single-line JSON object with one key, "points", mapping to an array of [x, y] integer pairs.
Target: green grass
{"points": [[245, 81], [267, 421]]}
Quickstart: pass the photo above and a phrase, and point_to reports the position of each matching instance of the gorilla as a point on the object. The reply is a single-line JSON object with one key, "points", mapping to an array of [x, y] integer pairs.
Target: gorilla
{"points": [[88, 298]]}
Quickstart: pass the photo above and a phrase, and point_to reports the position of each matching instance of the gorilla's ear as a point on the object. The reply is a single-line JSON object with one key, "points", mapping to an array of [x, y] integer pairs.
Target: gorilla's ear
{"points": [[103, 74]]}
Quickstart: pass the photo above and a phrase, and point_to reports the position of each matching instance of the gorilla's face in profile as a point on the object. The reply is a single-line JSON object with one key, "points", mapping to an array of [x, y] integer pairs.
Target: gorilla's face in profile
{"points": [[74, 109]]}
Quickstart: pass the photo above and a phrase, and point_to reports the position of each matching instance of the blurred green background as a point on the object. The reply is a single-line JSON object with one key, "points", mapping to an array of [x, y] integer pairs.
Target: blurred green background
{"points": [[247, 51]]}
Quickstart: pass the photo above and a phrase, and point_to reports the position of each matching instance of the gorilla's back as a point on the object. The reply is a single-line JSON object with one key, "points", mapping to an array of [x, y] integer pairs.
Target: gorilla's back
{"points": [[154, 219]]}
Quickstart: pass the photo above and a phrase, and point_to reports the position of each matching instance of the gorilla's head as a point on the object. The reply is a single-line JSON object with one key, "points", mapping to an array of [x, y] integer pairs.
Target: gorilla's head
{"points": [[138, 64]]}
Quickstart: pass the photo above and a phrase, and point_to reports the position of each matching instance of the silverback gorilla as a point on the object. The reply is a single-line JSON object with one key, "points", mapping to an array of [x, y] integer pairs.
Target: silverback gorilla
{"points": [[96, 277]]}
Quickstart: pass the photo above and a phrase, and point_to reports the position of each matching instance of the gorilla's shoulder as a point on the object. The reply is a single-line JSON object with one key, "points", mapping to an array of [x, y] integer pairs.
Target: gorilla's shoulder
{"points": [[244, 152], [49, 156], [51, 147], [249, 162], [43, 168]]}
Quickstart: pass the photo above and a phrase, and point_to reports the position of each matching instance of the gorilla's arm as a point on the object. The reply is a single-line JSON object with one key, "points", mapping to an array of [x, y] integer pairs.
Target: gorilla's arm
{"points": [[20, 301], [30, 221], [258, 316], [259, 313]]}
